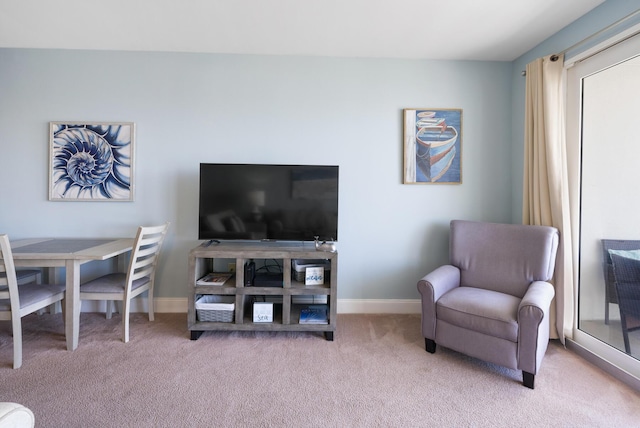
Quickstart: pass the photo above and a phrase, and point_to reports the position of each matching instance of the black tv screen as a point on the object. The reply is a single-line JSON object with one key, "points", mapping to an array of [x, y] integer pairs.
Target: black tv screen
{"points": [[268, 202]]}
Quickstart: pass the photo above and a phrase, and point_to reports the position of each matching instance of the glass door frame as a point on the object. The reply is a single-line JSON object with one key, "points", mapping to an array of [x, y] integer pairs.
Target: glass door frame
{"points": [[578, 68]]}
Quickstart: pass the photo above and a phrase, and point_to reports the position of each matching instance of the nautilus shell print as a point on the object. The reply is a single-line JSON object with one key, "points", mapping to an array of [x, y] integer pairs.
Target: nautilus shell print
{"points": [[91, 161]]}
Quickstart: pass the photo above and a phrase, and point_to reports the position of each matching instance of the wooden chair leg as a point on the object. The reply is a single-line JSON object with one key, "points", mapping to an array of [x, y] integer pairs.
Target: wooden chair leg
{"points": [[528, 379], [53, 308], [125, 319], [150, 304], [16, 325], [109, 309], [63, 310]]}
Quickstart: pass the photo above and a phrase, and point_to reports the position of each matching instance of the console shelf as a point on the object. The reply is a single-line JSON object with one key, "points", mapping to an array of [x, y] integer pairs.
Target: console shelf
{"points": [[287, 299]]}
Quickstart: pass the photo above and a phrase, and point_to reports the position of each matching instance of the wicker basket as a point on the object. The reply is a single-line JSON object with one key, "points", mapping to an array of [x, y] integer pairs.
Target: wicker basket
{"points": [[214, 308]]}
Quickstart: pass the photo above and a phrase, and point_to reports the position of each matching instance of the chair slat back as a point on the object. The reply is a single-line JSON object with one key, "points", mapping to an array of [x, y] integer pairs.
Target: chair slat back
{"points": [[145, 253], [8, 280], [626, 273], [607, 266]]}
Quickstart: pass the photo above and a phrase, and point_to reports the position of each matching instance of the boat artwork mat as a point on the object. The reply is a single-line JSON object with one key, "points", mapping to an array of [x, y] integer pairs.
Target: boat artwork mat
{"points": [[432, 146]]}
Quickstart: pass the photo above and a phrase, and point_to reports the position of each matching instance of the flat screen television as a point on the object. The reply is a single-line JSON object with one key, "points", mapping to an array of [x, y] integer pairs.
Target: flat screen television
{"points": [[259, 202]]}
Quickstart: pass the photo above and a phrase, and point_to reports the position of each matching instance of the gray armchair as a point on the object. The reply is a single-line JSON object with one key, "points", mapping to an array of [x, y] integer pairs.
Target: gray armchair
{"points": [[492, 300]]}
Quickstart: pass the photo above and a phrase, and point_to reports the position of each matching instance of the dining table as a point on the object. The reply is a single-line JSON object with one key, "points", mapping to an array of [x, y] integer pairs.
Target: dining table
{"points": [[70, 253]]}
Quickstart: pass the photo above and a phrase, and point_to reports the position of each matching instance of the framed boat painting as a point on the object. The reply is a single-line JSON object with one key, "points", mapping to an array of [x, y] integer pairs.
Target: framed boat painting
{"points": [[432, 146], [91, 161]]}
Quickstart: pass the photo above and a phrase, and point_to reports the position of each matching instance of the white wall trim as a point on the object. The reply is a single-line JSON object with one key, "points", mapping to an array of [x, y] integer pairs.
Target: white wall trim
{"points": [[345, 306], [163, 305], [379, 306]]}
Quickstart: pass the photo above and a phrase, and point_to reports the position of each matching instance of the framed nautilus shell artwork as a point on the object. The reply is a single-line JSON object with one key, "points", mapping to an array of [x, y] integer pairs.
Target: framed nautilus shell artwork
{"points": [[91, 161]]}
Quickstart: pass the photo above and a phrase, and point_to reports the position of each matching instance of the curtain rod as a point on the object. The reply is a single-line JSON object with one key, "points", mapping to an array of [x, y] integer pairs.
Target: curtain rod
{"points": [[594, 35], [585, 40]]}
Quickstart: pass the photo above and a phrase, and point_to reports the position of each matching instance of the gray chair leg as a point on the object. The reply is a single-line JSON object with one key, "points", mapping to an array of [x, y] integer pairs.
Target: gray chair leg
{"points": [[625, 333], [430, 345], [527, 379]]}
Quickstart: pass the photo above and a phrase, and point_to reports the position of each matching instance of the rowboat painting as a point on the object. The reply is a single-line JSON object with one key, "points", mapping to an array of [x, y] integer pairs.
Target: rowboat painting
{"points": [[432, 144]]}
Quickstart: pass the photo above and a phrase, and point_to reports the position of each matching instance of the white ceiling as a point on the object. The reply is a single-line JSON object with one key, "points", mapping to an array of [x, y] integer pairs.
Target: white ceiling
{"points": [[499, 30]]}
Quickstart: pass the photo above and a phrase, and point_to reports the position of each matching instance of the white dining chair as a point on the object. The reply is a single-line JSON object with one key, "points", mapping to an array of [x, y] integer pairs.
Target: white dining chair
{"points": [[140, 276], [27, 276], [17, 302]]}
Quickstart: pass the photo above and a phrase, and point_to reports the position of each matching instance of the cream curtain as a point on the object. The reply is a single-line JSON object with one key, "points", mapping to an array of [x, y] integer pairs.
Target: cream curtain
{"points": [[546, 186]]}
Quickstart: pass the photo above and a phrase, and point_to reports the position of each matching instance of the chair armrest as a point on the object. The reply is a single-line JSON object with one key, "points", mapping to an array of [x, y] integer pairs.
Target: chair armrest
{"points": [[533, 325], [431, 287]]}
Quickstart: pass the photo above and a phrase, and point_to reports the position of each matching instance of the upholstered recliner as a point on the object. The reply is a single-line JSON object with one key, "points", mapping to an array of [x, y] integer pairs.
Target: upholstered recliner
{"points": [[492, 300]]}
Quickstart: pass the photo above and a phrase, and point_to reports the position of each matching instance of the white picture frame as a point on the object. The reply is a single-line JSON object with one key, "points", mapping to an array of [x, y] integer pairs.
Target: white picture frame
{"points": [[432, 146], [91, 161]]}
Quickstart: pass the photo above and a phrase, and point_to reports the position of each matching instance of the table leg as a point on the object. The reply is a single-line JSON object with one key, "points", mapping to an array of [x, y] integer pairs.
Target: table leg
{"points": [[50, 276], [72, 319], [122, 264]]}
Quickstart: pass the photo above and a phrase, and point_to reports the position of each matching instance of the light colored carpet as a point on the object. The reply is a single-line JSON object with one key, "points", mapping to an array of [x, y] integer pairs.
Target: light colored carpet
{"points": [[375, 374]]}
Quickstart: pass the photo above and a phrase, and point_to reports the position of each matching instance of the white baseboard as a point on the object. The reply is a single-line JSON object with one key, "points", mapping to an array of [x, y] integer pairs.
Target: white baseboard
{"points": [[163, 305], [379, 306], [345, 306]]}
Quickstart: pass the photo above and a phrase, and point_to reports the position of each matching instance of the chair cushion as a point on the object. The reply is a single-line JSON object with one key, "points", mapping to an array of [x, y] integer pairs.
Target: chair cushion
{"points": [[32, 293], [628, 254], [111, 283], [484, 311]]}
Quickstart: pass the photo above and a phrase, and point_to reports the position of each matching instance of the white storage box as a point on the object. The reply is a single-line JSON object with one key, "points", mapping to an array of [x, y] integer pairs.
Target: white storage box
{"points": [[299, 267], [262, 312], [215, 308]]}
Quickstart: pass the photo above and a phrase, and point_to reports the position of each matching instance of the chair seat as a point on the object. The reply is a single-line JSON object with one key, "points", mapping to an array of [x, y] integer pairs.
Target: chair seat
{"points": [[112, 283], [484, 311], [33, 293]]}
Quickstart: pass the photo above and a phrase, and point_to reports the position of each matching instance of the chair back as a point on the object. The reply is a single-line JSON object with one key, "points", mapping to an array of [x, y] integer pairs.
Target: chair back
{"points": [[145, 253], [626, 272], [8, 280], [502, 257], [614, 244]]}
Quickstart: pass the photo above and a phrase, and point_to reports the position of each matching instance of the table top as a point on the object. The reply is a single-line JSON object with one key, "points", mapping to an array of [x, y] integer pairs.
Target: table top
{"points": [[70, 248]]}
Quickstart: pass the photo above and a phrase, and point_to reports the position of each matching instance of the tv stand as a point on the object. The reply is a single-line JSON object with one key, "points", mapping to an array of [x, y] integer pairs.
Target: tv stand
{"points": [[289, 296]]}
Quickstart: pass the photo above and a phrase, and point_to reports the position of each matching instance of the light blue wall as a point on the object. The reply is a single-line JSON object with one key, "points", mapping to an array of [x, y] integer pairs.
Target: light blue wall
{"points": [[598, 19], [192, 108]]}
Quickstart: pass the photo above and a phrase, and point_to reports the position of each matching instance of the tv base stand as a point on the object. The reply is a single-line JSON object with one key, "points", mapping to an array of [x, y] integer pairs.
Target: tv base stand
{"points": [[288, 300]]}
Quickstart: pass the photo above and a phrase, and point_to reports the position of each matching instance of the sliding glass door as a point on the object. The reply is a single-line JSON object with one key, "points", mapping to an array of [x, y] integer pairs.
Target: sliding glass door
{"points": [[604, 119]]}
